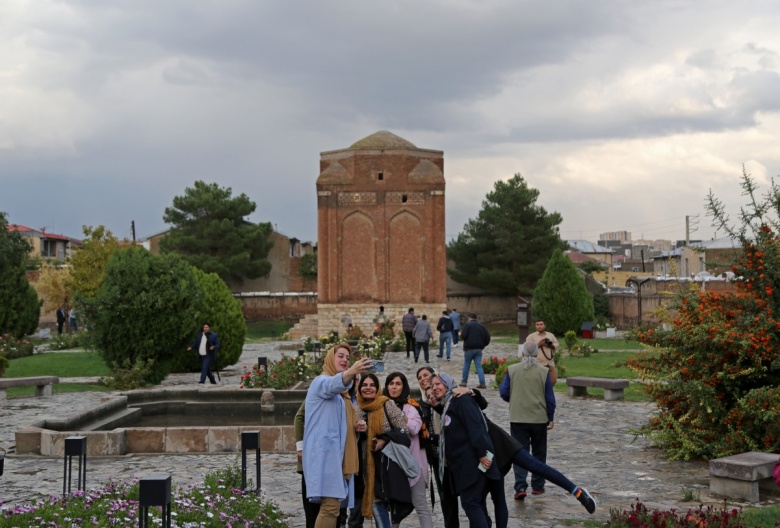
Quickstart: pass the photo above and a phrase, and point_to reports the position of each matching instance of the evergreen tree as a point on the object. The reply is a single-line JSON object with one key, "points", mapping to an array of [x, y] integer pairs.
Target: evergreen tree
{"points": [[20, 307], [145, 308], [222, 311], [505, 249], [561, 298], [209, 231]]}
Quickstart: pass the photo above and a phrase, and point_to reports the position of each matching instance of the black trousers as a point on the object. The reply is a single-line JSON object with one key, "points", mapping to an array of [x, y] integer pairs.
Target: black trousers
{"points": [[409, 342]]}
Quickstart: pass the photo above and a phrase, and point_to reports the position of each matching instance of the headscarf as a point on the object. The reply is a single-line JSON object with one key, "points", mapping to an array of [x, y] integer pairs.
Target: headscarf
{"points": [[375, 417], [528, 354], [448, 382], [351, 463]]}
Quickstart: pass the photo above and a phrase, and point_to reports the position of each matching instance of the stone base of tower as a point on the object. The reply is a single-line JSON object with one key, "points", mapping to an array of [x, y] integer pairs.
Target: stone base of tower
{"points": [[338, 316]]}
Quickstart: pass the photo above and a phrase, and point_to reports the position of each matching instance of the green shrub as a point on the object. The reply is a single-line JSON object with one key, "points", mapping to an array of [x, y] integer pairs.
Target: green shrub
{"points": [[127, 376], [65, 341], [216, 306], [501, 370], [3, 365], [715, 379], [145, 308], [571, 339]]}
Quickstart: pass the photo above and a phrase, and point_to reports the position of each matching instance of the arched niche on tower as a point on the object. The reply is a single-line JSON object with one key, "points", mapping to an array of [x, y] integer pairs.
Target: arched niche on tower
{"points": [[358, 258], [405, 246]]}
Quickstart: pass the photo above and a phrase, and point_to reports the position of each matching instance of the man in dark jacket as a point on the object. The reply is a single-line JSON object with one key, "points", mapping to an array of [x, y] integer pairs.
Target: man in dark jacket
{"points": [[408, 322], [475, 338], [445, 328], [60, 319], [207, 344]]}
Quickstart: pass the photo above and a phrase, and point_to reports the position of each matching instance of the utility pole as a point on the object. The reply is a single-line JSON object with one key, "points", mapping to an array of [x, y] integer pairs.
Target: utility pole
{"points": [[691, 226], [132, 228]]}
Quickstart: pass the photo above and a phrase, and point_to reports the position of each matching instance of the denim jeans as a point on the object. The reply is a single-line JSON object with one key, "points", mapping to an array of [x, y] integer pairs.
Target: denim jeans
{"points": [[445, 337], [476, 357], [523, 459], [496, 490], [424, 346], [533, 437], [381, 514]]}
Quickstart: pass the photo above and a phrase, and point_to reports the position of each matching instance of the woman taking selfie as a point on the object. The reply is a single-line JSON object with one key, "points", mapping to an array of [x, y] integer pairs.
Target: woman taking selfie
{"points": [[330, 454]]}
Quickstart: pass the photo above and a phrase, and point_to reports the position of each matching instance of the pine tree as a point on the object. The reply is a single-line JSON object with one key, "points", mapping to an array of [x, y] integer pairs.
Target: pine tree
{"points": [[561, 298], [505, 249]]}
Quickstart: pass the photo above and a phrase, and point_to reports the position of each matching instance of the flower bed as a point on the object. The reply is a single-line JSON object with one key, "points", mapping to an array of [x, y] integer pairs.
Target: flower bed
{"points": [[218, 502]]}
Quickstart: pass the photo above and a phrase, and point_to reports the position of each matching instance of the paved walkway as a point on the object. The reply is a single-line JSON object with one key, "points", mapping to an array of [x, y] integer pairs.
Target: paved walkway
{"points": [[592, 444]]}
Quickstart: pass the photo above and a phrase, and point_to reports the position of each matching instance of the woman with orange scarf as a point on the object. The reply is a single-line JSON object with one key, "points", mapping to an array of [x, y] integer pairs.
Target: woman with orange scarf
{"points": [[381, 415], [330, 453]]}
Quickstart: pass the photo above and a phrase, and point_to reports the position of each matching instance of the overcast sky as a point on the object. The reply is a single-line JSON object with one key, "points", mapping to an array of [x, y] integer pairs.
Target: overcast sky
{"points": [[622, 113]]}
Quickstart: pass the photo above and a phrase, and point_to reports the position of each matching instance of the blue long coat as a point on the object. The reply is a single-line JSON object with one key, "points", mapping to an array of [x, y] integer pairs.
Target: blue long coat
{"points": [[324, 436]]}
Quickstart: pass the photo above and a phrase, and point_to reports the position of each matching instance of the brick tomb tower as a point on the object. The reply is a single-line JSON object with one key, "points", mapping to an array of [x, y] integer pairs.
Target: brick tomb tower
{"points": [[380, 207]]}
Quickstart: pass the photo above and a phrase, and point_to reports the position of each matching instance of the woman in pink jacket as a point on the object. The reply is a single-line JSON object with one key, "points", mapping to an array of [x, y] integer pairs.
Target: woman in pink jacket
{"points": [[397, 389]]}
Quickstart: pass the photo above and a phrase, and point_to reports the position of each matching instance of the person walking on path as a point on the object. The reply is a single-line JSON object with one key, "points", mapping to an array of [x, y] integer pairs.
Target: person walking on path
{"points": [[475, 338], [408, 321], [528, 389], [455, 318], [207, 344], [60, 319], [422, 336], [547, 344], [74, 327], [330, 452], [445, 327]]}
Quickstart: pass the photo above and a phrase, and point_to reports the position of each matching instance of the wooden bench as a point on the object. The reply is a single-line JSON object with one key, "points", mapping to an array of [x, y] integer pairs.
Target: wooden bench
{"points": [[43, 384], [613, 388], [741, 476]]}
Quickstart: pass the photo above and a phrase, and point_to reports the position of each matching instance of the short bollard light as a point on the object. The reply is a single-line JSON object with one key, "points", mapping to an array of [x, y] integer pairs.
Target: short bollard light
{"points": [[75, 446], [317, 349], [301, 352], [262, 363], [154, 490], [2, 460], [250, 440]]}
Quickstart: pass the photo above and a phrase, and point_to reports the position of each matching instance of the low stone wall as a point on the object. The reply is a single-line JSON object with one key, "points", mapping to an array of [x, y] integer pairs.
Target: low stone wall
{"points": [[267, 306], [45, 442], [338, 316], [489, 308]]}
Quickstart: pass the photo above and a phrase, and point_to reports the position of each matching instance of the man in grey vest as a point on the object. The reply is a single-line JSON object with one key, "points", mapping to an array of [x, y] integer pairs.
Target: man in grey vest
{"points": [[531, 413]]}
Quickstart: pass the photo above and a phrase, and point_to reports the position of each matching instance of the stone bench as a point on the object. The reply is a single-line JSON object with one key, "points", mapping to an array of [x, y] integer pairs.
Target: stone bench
{"points": [[43, 384], [613, 388], [741, 476]]}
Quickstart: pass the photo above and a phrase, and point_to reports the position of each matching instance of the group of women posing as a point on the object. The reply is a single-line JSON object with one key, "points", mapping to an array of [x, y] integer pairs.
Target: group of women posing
{"points": [[362, 449]]}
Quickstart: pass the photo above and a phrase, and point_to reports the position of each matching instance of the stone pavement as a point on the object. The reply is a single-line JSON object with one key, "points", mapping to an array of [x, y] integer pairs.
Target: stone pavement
{"points": [[592, 444]]}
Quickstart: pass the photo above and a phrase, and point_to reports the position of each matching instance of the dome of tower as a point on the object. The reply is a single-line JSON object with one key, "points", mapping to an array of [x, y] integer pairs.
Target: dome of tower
{"points": [[382, 140]]}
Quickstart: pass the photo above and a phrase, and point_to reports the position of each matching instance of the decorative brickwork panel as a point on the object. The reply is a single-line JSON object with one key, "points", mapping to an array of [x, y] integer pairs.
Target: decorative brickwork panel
{"points": [[357, 198], [411, 198], [405, 263], [358, 259]]}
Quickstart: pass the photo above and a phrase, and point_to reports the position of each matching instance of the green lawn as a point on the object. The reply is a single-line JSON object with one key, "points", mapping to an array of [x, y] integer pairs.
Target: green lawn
{"points": [[761, 517], [613, 343], [65, 364], [265, 330]]}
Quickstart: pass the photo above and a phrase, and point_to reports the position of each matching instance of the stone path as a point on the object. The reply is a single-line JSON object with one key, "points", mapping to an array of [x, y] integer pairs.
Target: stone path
{"points": [[592, 444]]}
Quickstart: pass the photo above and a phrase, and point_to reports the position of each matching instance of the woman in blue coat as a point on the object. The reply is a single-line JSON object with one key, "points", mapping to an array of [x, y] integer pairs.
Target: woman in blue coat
{"points": [[330, 454]]}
